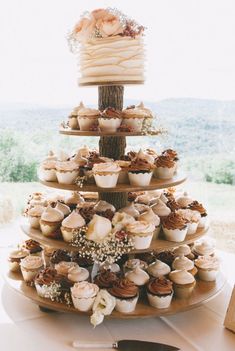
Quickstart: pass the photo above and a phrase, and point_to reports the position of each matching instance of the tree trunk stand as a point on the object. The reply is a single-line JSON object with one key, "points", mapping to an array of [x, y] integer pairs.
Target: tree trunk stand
{"points": [[112, 146]]}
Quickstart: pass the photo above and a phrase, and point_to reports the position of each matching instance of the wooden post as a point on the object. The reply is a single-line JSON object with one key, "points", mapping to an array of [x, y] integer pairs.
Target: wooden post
{"points": [[112, 146]]}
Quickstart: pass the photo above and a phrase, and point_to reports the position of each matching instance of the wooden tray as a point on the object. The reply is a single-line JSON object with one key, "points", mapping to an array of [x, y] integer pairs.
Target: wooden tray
{"points": [[120, 188], [76, 132], [203, 292], [157, 244]]}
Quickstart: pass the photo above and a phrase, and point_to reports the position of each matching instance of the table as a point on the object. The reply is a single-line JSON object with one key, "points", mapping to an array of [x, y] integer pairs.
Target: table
{"points": [[23, 325]]}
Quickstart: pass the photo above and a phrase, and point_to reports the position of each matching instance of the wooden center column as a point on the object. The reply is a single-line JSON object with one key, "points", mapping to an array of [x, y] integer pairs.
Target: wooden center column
{"points": [[112, 146]]}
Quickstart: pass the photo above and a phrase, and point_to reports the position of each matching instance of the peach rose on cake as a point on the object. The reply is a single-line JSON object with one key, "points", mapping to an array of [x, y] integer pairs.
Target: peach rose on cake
{"points": [[107, 23], [84, 28]]}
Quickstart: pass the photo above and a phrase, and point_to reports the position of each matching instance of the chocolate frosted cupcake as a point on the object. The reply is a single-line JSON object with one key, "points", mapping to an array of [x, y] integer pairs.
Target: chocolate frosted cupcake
{"points": [[110, 120], [43, 282], [105, 279], [81, 261], [166, 257], [171, 153], [105, 209], [60, 255], [14, 259], [165, 167], [173, 205], [160, 292], [87, 212], [140, 172], [33, 247], [126, 294], [196, 206], [174, 227]]}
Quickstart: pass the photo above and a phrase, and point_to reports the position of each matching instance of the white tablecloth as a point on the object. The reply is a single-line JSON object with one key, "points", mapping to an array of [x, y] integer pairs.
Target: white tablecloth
{"points": [[24, 327]]}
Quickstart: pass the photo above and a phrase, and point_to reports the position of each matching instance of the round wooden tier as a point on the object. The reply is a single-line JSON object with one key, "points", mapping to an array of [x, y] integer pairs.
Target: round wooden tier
{"points": [[111, 83], [120, 188], [203, 292], [158, 244], [76, 132]]}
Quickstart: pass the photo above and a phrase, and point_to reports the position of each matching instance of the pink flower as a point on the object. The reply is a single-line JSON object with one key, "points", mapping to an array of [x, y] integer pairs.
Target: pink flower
{"points": [[107, 23], [84, 29], [99, 14]]}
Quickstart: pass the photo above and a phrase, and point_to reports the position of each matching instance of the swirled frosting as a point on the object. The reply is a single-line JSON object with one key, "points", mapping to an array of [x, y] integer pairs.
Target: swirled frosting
{"points": [[130, 210], [184, 200], [182, 250], [98, 228], [207, 262], [111, 112], [203, 247], [102, 206], [164, 161], [66, 166], [182, 262], [36, 211], [138, 276], [140, 228], [46, 276], [160, 286], [105, 279], [174, 221], [196, 206], [32, 246], [124, 289], [88, 112], [181, 277], [52, 215], [151, 217], [189, 215], [74, 220], [106, 167], [63, 208], [161, 209], [145, 156], [84, 290], [138, 165], [31, 262], [171, 153], [132, 263], [158, 269], [60, 255], [77, 274], [64, 266]]}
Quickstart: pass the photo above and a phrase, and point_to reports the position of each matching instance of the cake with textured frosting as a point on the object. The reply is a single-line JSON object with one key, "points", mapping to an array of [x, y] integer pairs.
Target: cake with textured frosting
{"points": [[109, 47]]}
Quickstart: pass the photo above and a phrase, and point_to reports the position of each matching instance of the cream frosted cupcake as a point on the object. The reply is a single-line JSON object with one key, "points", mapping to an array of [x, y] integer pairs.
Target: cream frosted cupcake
{"points": [[151, 217], [140, 171], [203, 247], [130, 210], [133, 263], [73, 199], [141, 207], [78, 274], [161, 209], [126, 294], [14, 259], [192, 218], [141, 233], [47, 171], [83, 295], [30, 266], [134, 116], [63, 208], [98, 228], [160, 292], [106, 174], [184, 263], [196, 206], [165, 167], [63, 267], [34, 215], [208, 267], [73, 117], [184, 200], [174, 227], [123, 175], [183, 282], [105, 209], [183, 250], [158, 269], [69, 224], [138, 276], [47, 254], [110, 120], [88, 118], [67, 171], [50, 221]]}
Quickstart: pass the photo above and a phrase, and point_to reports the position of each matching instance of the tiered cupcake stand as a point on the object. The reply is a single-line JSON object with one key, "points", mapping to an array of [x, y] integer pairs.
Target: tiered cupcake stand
{"points": [[113, 146]]}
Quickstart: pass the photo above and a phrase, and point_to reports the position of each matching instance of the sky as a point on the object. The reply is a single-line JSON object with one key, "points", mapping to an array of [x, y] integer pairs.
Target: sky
{"points": [[190, 50]]}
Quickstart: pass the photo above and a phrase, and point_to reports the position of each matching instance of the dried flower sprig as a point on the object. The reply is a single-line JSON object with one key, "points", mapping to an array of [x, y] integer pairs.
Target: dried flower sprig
{"points": [[109, 250]]}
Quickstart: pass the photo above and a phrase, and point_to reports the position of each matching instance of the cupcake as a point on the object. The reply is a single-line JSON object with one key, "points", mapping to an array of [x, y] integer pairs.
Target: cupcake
{"points": [[73, 199], [140, 171], [151, 217], [63, 208], [50, 222], [174, 227], [88, 118], [37, 199], [165, 167], [192, 218], [34, 215], [160, 292], [142, 233], [138, 276], [69, 224], [47, 171], [130, 210], [184, 263], [33, 247], [98, 228], [105, 279], [173, 205], [133, 118], [166, 256], [133, 263], [141, 207], [105, 209], [183, 250], [144, 198], [47, 254], [158, 269], [171, 153], [67, 171], [120, 220], [63, 267], [123, 175], [106, 174], [110, 120], [73, 117], [161, 209], [30, 266], [183, 283], [208, 267], [87, 211], [77, 274], [184, 200], [126, 294], [44, 281], [83, 295], [59, 256], [196, 206], [82, 261], [203, 248], [14, 259]]}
